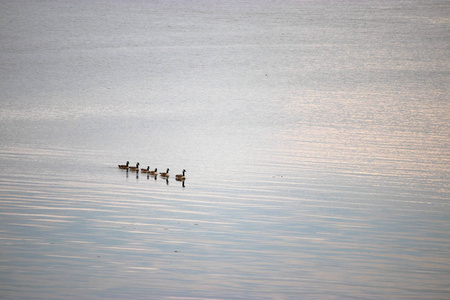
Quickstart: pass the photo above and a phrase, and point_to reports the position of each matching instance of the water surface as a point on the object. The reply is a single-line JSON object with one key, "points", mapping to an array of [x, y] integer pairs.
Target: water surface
{"points": [[315, 136]]}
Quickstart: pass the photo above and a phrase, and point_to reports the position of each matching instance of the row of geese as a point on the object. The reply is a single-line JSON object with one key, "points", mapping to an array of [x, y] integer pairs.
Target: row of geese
{"points": [[148, 171]]}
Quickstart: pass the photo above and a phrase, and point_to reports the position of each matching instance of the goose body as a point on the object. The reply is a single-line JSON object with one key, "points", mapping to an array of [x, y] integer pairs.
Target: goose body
{"points": [[181, 176], [134, 168], [124, 166], [153, 172], [165, 174], [146, 170]]}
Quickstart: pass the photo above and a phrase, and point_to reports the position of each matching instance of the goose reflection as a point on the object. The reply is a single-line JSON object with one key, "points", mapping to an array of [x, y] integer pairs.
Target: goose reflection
{"points": [[152, 176], [182, 179]]}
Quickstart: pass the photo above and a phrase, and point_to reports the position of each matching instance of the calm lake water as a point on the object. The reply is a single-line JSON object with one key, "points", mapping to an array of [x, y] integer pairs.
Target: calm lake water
{"points": [[315, 137]]}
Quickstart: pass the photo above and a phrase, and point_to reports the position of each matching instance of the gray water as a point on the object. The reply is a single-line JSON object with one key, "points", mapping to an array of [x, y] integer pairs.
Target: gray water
{"points": [[315, 137]]}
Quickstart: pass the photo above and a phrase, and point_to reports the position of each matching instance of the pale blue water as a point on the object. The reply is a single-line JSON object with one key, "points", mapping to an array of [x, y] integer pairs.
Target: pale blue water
{"points": [[315, 136]]}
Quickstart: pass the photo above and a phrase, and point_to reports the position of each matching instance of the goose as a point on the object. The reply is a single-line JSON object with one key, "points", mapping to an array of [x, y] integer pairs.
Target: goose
{"points": [[166, 174], [124, 166], [134, 168], [146, 170], [181, 176], [153, 172]]}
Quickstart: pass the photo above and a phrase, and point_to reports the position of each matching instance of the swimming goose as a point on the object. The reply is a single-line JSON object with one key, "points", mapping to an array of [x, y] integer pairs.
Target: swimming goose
{"points": [[166, 174], [181, 176], [146, 170], [153, 172], [134, 168], [124, 166]]}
